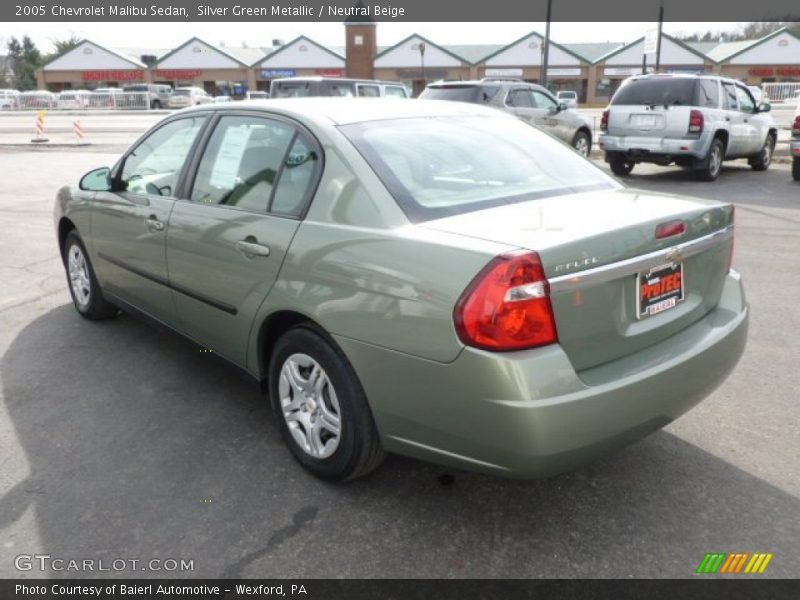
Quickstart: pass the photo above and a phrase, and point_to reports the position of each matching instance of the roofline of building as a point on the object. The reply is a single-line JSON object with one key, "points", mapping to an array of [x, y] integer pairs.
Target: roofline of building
{"points": [[758, 42], [680, 43], [280, 49], [202, 41], [540, 36], [427, 42], [116, 53]]}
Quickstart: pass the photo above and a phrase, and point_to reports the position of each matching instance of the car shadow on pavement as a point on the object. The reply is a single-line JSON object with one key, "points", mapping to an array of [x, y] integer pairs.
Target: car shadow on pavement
{"points": [[770, 189], [140, 446]]}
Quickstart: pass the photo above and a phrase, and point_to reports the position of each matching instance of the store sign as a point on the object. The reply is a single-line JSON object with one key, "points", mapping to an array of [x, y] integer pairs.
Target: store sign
{"points": [[178, 74], [622, 71], [563, 72], [112, 75], [272, 73], [772, 72], [503, 73], [330, 72]]}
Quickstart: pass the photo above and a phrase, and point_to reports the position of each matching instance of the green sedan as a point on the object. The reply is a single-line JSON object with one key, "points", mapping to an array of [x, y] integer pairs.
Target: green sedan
{"points": [[434, 279]]}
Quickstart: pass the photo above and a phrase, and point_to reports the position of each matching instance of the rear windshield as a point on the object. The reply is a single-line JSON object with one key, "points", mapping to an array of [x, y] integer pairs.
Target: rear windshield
{"points": [[476, 94], [657, 92], [437, 167]]}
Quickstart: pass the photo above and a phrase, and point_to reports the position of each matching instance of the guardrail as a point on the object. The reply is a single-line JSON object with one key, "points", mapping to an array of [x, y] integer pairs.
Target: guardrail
{"points": [[101, 100], [781, 92]]}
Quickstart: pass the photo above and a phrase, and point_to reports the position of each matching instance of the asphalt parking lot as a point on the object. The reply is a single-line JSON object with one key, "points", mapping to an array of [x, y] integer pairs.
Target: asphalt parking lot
{"points": [[122, 441]]}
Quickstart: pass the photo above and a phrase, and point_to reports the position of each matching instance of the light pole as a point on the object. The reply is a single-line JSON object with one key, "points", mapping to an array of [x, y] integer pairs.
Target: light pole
{"points": [[421, 47]]}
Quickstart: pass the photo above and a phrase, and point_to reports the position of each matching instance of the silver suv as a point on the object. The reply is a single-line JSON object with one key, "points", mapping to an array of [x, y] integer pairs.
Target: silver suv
{"points": [[794, 145], [693, 121], [530, 102]]}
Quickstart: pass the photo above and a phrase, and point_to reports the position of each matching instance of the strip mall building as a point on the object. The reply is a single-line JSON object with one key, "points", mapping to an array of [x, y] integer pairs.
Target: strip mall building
{"points": [[593, 70]]}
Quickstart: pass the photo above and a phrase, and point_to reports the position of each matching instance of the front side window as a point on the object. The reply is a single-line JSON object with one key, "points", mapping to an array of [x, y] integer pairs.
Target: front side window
{"points": [[543, 100], [394, 91], [746, 103], [520, 99], [242, 162], [154, 166], [444, 166], [340, 89]]}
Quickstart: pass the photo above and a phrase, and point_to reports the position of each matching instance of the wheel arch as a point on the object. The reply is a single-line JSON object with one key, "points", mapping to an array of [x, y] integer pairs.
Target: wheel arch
{"points": [[270, 330], [65, 225], [723, 135]]}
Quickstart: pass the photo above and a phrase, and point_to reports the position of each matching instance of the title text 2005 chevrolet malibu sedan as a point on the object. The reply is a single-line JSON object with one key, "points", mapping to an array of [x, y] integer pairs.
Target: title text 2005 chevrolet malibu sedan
{"points": [[428, 278]]}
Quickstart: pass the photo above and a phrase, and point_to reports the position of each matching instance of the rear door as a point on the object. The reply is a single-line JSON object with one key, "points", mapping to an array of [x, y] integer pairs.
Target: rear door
{"points": [[129, 227], [227, 242]]}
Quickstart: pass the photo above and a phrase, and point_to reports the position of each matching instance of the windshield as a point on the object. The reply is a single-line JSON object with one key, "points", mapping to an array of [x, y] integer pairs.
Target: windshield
{"points": [[436, 167], [668, 91], [461, 93], [566, 94]]}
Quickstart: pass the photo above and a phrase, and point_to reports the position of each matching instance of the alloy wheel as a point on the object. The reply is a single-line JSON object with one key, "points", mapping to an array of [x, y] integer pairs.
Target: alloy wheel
{"points": [[79, 278], [310, 406]]}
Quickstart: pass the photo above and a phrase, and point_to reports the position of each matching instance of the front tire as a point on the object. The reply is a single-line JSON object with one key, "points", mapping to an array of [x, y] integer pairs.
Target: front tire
{"points": [[582, 143], [764, 158], [87, 297], [620, 165], [321, 408], [796, 169], [156, 105], [713, 161]]}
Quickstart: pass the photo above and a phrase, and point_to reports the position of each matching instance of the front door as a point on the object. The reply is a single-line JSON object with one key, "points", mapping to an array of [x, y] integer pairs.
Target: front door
{"points": [[227, 242], [129, 226], [738, 140]]}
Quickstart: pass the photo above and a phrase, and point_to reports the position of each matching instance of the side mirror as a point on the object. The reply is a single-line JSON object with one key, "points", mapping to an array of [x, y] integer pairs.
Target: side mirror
{"points": [[98, 180], [764, 107]]}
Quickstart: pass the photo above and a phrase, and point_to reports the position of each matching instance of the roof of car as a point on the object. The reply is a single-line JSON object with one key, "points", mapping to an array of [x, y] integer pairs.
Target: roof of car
{"points": [[334, 80], [341, 111]]}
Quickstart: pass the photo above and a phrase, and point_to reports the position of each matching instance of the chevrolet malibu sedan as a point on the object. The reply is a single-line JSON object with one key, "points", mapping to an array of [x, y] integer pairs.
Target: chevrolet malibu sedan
{"points": [[434, 279]]}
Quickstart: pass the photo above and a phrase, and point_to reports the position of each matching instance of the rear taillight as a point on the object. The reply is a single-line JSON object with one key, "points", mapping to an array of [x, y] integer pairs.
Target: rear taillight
{"points": [[507, 306], [604, 121], [695, 122], [670, 228], [796, 126]]}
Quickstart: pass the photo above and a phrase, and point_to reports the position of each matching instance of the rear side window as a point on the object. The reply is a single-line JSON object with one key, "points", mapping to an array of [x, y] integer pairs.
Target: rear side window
{"points": [[242, 162], [394, 91], [668, 91], [729, 96], [460, 93], [341, 89], [707, 93], [292, 90], [369, 91]]}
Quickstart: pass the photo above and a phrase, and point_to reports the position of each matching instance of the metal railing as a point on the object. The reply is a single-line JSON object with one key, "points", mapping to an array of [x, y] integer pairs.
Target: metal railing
{"points": [[781, 92], [98, 100]]}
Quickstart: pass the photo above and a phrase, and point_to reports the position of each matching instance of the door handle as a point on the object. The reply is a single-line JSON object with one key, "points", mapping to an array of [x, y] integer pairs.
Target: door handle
{"points": [[154, 224], [252, 248]]}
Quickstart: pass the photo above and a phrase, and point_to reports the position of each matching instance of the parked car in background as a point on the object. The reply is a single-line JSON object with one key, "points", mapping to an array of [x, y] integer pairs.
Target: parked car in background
{"points": [[427, 278], [301, 87], [222, 99], [77, 99], [256, 95], [9, 99], [157, 94], [189, 96], [693, 121], [530, 102], [794, 144], [568, 97]]}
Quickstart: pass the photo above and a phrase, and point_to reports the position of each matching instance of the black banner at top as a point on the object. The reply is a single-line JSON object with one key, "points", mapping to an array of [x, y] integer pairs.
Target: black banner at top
{"points": [[396, 10]]}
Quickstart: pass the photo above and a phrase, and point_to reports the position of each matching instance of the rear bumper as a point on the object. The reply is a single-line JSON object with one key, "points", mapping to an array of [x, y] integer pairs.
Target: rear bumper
{"points": [[528, 413], [655, 148]]}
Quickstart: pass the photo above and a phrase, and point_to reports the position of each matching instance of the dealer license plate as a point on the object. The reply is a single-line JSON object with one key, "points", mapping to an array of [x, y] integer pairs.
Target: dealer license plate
{"points": [[659, 289], [643, 121]]}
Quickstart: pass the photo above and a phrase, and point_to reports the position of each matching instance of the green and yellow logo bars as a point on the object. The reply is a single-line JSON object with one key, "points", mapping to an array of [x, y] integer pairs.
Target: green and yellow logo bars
{"points": [[720, 562]]}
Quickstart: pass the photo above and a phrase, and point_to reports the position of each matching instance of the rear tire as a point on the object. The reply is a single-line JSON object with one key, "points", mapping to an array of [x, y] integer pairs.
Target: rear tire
{"points": [[796, 169], [764, 158], [87, 297], [156, 105], [321, 408], [620, 165], [582, 143], [713, 161]]}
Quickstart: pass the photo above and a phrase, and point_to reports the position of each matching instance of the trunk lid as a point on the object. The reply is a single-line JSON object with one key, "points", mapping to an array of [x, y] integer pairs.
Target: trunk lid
{"points": [[593, 246]]}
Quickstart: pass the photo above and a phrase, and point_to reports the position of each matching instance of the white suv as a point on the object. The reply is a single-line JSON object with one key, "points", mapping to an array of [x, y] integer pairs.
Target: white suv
{"points": [[794, 146], [188, 96]]}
